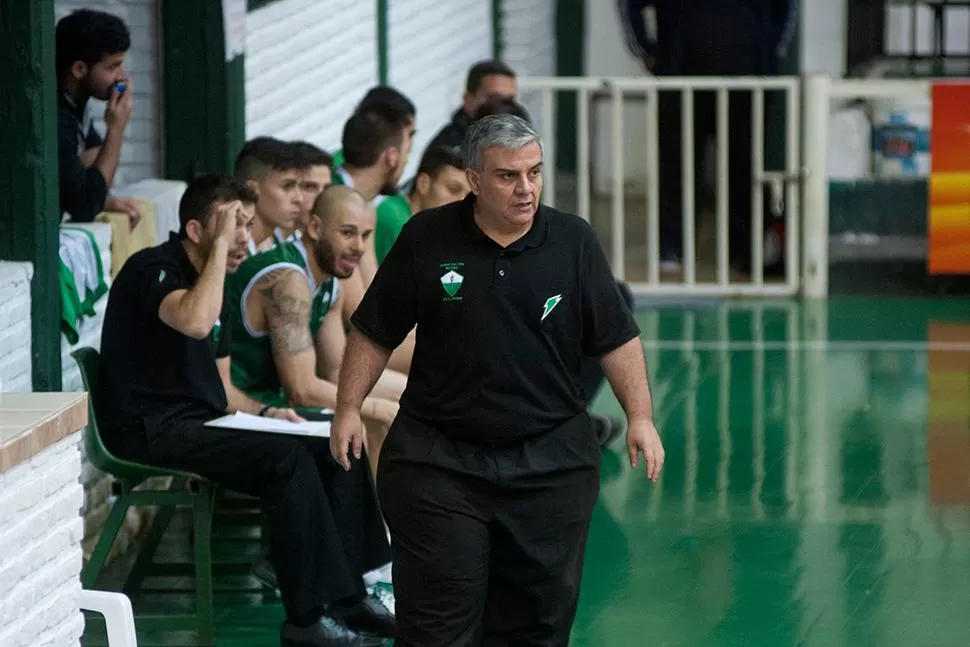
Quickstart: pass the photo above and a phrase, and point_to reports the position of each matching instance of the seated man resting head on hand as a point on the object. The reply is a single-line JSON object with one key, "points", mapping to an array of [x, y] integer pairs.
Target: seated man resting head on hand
{"points": [[164, 373]]}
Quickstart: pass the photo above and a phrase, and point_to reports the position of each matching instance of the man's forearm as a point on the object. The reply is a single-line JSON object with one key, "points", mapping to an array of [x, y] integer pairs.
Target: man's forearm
{"points": [[110, 155], [202, 303], [363, 363], [239, 401], [626, 370]]}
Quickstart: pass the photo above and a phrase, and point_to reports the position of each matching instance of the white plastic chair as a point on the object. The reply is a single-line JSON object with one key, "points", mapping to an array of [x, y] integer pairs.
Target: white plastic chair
{"points": [[118, 617]]}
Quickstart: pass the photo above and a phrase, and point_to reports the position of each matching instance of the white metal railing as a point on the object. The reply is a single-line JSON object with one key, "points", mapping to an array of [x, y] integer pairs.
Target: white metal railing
{"points": [[803, 183], [820, 94], [788, 178]]}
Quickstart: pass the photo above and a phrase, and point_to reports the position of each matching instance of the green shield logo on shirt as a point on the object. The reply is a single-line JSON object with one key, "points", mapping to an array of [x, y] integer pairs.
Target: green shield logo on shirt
{"points": [[451, 282]]}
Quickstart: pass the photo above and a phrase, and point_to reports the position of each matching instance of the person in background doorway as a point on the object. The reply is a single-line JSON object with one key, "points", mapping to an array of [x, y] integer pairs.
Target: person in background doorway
{"points": [[485, 79], [90, 54], [707, 38]]}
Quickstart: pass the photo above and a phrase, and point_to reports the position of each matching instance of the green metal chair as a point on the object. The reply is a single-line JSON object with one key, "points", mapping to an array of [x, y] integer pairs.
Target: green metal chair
{"points": [[186, 490]]}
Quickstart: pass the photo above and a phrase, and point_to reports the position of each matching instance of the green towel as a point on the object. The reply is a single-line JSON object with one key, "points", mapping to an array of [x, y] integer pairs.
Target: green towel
{"points": [[74, 306]]}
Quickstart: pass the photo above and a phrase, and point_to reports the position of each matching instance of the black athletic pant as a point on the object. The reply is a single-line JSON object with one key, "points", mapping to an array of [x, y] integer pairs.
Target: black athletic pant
{"points": [[718, 39], [325, 526], [488, 542], [739, 168], [591, 373]]}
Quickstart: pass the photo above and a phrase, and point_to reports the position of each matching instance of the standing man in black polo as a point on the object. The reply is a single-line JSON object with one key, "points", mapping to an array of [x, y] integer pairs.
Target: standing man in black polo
{"points": [[490, 472], [165, 372]]}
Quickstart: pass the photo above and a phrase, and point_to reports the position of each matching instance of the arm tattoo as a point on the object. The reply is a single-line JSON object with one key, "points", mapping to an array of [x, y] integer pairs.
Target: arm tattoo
{"points": [[287, 314]]}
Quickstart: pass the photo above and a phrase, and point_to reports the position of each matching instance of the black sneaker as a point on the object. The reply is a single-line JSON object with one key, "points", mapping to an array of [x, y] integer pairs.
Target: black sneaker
{"points": [[325, 632], [369, 616]]}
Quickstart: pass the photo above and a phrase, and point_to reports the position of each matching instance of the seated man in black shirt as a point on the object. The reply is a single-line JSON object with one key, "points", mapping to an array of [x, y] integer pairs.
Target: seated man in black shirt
{"points": [[91, 48], [486, 79], [165, 371]]}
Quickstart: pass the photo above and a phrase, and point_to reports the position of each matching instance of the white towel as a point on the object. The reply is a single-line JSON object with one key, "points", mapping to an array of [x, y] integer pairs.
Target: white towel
{"points": [[81, 256]]}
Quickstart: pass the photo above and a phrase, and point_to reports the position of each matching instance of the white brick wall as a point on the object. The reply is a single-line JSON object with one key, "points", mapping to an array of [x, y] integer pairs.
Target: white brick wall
{"points": [[40, 564], [15, 362], [430, 51], [529, 45], [308, 63], [141, 150]]}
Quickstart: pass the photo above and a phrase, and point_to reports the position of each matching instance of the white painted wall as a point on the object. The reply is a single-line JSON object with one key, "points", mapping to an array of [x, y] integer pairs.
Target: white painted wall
{"points": [[308, 63], [40, 565], [823, 29], [431, 45], [608, 55], [529, 45], [899, 24], [15, 362], [141, 152]]}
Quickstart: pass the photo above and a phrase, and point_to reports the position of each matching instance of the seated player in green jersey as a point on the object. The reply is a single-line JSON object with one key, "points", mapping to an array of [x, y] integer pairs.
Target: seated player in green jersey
{"points": [[440, 179], [316, 174], [271, 168], [287, 332], [384, 95]]}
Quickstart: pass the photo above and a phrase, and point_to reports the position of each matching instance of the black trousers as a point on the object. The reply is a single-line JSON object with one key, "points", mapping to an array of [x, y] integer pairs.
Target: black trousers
{"points": [[739, 167], [591, 373], [488, 542], [326, 528]]}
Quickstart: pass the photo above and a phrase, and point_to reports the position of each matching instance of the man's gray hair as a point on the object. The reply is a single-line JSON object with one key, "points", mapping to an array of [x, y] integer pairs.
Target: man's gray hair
{"points": [[506, 131]]}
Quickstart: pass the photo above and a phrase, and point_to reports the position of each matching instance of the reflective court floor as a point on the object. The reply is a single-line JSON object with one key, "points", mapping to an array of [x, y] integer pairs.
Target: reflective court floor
{"points": [[816, 489]]}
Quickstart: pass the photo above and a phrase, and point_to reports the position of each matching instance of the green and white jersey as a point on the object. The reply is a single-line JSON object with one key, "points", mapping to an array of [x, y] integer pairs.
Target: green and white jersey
{"points": [[278, 238], [392, 212], [253, 367]]}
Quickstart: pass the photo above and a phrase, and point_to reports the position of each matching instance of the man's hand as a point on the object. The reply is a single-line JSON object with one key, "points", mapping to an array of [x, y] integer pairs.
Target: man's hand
{"points": [[346, 434], [283, 414], [642, 437], [226, 218], [126, 206], [117, 110]]}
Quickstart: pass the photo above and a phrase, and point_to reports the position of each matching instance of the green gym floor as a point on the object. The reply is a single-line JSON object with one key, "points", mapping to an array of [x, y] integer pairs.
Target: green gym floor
{"points": [[816, 489]]}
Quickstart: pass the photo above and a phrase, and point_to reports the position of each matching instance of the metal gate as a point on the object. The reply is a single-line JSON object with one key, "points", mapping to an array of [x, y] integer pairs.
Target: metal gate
{"points": [[638, 261]]}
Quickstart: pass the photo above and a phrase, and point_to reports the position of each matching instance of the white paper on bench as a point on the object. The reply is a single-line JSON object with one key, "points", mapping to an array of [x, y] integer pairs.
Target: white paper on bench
{"points": [[249, 422]]}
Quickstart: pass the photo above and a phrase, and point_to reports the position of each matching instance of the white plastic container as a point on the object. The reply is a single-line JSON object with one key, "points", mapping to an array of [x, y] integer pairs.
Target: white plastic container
{"points": [[901, 138]]}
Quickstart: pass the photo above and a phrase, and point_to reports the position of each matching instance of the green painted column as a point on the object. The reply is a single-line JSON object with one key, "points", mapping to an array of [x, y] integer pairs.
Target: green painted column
{"points": [[30, 210], [570, 61], [205, 96], [497, 44], [383, 37]]}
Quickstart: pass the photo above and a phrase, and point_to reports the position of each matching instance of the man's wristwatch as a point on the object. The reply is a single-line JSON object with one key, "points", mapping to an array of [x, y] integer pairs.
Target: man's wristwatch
{"points": [[262, 412]]}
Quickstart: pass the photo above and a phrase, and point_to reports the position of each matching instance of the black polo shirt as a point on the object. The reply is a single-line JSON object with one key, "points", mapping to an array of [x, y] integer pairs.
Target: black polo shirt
{"points": [[500, 332], [151, 374], [83, 190]]}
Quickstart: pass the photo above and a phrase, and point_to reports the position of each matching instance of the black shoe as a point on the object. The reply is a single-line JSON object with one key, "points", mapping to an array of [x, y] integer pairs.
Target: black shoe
{"points": [[264, 572], [607, 429], [325, 632], [367, 616]]}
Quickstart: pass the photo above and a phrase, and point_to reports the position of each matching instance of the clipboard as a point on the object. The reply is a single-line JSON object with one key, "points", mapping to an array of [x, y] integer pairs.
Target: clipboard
{"points": [[249, 422]]}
